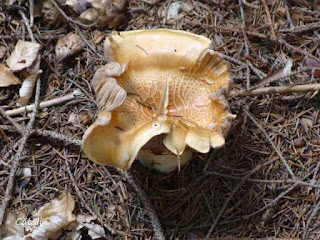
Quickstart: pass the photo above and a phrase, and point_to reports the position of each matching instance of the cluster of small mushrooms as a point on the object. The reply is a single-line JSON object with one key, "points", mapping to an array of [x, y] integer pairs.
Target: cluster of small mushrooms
{"points": [[161, 96]]}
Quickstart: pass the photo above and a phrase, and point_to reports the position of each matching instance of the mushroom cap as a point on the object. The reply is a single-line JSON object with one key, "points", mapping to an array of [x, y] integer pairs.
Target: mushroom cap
{"points": [[158, 82]]}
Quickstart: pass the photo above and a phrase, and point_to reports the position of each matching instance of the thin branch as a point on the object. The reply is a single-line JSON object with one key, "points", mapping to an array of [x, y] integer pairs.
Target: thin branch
{"points": [[31, 9], [284, 162], [303, 28], [268, 17], [45, 104], [277, 90], [17, 158], [26, 22]]}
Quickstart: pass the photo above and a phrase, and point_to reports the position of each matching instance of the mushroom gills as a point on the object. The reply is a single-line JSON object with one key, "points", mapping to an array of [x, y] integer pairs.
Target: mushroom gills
{"points": [[158, 84]]}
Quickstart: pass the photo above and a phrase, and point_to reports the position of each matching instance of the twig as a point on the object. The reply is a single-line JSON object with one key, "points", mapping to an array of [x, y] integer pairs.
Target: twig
{"points": [[17, 158], [257, 71], [313, 213], [243, 27], [70, 19], [288, 14], [45, 104], [284, 162], [268, 17], [313, 180], [57, 137], [31, 9], [87, 42], [277, 90], [26, 22], [158, 234], [5, 115], [303, 28], [306, 10], [278, 40], [250, 4]]}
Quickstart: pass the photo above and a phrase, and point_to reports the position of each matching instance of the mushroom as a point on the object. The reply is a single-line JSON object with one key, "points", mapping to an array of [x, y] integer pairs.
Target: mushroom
{"points": [[161, 96]]}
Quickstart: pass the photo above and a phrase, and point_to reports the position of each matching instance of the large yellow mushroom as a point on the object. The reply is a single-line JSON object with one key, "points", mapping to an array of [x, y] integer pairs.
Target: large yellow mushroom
{"points": [[161, 96]]}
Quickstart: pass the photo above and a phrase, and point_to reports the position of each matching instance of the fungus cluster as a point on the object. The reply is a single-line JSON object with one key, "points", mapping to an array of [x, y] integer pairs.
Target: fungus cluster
{"points": [[161, 96]]}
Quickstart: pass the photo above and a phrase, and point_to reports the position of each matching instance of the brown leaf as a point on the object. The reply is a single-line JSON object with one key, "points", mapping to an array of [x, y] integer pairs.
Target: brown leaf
{"points": [[97, 36], [23, 55], [7, 78], [313, 63], [2, 51], [68, 45]]}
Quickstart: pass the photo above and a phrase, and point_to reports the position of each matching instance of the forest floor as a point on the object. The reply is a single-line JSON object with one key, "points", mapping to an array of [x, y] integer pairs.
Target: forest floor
{"points": [[263, 183]]}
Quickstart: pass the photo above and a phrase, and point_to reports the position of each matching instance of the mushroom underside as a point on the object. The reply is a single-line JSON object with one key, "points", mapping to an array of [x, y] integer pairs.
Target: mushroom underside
{"points": [[162, 95]]}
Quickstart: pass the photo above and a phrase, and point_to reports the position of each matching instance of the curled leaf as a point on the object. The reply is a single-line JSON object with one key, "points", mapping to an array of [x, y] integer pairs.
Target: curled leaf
{"points": [[23, 55], [7, 78], [68, 45], [27, 88]]}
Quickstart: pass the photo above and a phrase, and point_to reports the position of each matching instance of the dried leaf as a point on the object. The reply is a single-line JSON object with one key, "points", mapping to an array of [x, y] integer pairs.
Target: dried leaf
{"points": [[2, 51], [34, 68], [89, 16], [27, 87], [23, 55], [68, 45], [50, 228], [175, 8], [14, 237], [7, 78], [51, 13], [97, 36], [75, 235], [63, 207], [10, 228], [85, 218], [96, 231], [79, 6]]}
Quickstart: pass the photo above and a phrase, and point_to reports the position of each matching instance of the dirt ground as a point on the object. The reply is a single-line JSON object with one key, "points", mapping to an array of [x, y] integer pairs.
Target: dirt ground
{"points": [[264, 183]]}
